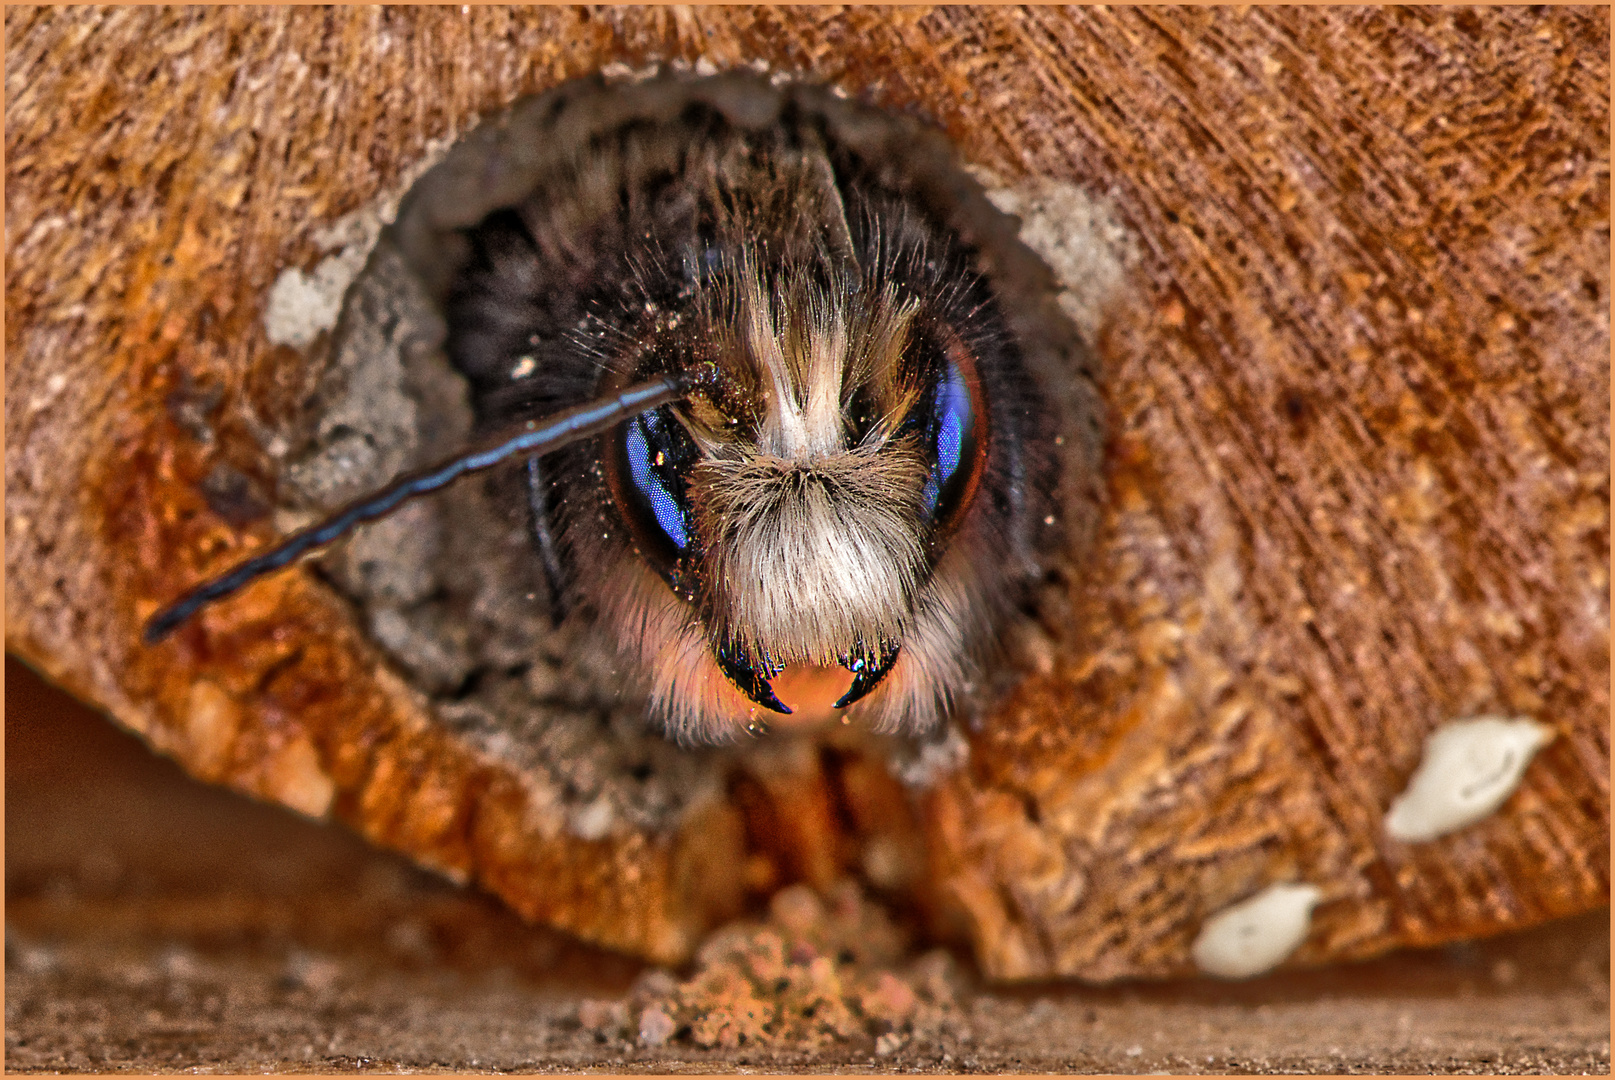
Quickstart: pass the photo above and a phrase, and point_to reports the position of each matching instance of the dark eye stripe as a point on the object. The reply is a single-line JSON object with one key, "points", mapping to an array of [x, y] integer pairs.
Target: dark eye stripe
{"points": [[651, 471]]}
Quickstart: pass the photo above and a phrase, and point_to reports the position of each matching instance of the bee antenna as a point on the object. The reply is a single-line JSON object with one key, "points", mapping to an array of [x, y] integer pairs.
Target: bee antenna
{"points": [[535, 438]]}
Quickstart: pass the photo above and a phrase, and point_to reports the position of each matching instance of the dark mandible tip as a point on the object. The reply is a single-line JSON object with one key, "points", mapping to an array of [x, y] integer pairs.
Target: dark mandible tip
{"points": [[534, 438]]}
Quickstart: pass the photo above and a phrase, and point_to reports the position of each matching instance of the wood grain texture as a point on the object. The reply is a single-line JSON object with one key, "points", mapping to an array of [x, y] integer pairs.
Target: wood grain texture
{"points": [[1358, 393]]}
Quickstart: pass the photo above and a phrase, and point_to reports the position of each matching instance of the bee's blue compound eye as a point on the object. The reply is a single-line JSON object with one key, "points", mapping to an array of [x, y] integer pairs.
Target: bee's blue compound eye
{"points": [[648, 466], [950, 436], [656, 455]]}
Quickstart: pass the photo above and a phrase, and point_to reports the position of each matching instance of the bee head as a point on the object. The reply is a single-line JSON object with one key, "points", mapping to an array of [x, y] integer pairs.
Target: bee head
{"points": [[798, 501]]}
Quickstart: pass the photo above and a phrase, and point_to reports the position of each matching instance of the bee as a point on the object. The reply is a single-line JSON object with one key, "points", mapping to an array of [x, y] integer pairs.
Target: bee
{"points": [[780, 440]]}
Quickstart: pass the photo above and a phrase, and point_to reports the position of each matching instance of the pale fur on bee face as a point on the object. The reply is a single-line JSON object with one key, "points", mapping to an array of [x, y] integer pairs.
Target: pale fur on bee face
{"points": [[849, 493]]}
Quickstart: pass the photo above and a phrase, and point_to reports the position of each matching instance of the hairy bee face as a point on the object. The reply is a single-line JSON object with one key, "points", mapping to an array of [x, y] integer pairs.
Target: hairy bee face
{"points": [[798, 508], [840, 513]]}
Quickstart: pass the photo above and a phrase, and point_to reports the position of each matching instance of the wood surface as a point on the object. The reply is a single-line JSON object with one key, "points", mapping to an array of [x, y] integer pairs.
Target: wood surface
{"points": [[1358, 394], [158, 925]]}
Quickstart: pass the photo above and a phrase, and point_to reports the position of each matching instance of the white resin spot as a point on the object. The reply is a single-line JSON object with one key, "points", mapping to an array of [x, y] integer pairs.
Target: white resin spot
{"points": [[1255, 935], [1470, 767], [1079, 234], [301, 305]]}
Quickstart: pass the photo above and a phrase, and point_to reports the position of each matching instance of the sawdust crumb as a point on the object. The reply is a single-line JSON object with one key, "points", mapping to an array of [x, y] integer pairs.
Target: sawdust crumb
{"points": [[817, 972]]}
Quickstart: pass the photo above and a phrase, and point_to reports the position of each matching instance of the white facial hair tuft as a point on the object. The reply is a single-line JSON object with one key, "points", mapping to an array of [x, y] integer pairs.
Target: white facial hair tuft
{"points": [[806, 561]]}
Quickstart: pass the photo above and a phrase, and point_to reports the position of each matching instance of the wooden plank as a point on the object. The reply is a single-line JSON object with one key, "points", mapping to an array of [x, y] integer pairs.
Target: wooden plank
{"points": [[1358, 400]]}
